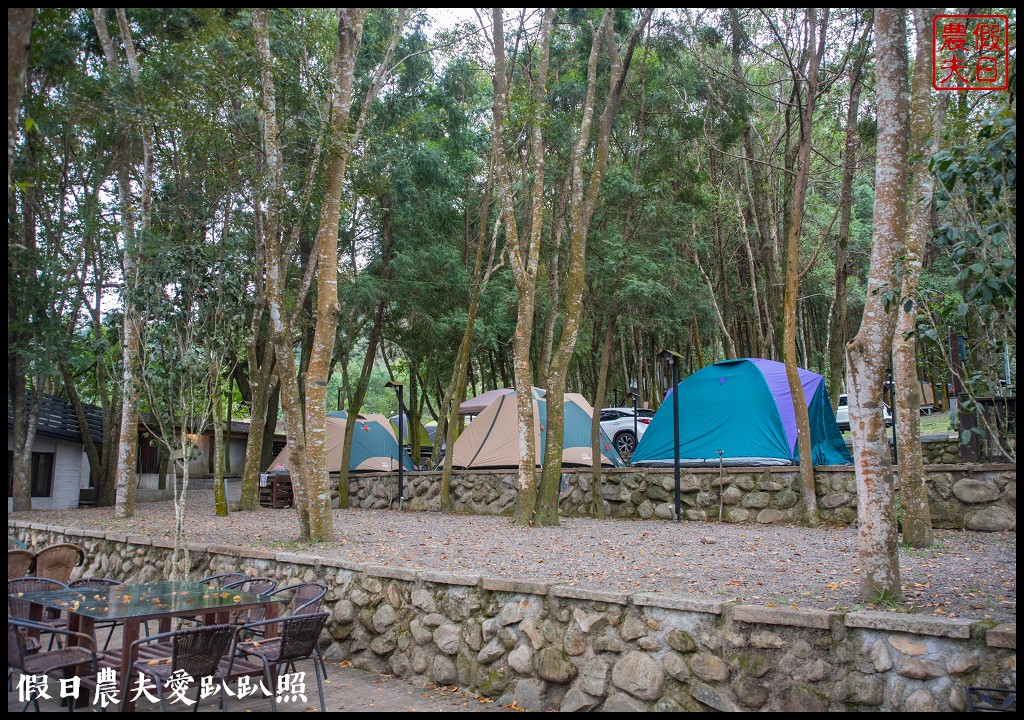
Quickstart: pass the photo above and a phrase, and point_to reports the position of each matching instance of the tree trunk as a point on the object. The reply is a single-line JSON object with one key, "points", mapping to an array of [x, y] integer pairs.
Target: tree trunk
{"points": [[26, 418], [91, 451], [126, 480], [19, 31], [580, 214], [597, 476], [790, 309], [457, 387], [220, 496], [838, 324], [868, 352], [523, 252], [917, 522]]}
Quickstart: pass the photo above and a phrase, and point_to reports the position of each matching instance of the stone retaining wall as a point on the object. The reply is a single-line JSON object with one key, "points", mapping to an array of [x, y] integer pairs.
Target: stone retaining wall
{"points": [[562, 647], [975, 497]]}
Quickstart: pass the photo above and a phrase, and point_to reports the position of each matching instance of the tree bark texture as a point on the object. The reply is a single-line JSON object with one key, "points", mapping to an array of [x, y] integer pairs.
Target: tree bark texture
{"points": [[838, 322], [867, 354], [790, 309], [917, 522], [19, 31], [523, 252]]}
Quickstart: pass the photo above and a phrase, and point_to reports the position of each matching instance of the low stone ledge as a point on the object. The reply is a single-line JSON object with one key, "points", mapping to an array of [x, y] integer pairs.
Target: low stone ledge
{"points": [[519, 587], [258, 554], [166, 543], [757, 614], [59, 529], [446, 578], [680, 602], [140, 540], [343, 564], [295, 558], [916, 624], [1003, 636], [230, 550], [116, 537], [581, 593], [75, 532], [198, 548], [392, 573], [37, 526]]}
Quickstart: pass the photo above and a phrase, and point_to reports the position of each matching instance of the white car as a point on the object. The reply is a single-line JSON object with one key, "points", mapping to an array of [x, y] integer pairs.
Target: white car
{"points": [[843, 414], [617, 423]]}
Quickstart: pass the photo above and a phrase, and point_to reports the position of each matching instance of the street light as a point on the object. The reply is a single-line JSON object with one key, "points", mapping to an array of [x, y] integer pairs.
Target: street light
{"points": [[401, 440], [634, 395], [891, 386], [672, 358]]}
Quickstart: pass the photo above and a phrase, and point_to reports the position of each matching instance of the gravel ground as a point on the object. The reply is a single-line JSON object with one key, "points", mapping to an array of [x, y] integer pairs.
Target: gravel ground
{"points": [[965, 575]]}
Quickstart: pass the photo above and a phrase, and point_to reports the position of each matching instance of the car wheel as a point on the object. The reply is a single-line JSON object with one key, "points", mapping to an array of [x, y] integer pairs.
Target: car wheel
{"points": [[625, 442]]}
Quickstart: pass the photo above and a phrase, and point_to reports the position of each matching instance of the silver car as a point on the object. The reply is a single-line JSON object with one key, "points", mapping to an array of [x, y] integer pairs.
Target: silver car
{"points": [[843, 414]]}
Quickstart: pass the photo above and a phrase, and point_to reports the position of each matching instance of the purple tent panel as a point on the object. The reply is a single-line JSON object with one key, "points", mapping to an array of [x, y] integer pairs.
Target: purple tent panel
{"points": [[775, 376]]}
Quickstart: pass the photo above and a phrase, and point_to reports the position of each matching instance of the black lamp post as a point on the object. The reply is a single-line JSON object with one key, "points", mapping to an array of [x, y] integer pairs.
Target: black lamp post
{"points": [[891, 386], [672, 358], [401, 441], [634, 396]]}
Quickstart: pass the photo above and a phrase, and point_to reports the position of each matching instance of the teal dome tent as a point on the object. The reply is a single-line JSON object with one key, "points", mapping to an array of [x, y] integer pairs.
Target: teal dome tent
{"points": [[745, 409]]}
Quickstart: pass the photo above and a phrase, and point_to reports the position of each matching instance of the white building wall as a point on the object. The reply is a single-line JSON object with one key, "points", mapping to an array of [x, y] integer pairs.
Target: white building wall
{"points": [[70, 472]]}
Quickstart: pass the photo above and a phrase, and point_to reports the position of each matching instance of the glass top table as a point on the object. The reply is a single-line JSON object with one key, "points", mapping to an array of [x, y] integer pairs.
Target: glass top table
{"points": [[133, 604], [147, 600]]}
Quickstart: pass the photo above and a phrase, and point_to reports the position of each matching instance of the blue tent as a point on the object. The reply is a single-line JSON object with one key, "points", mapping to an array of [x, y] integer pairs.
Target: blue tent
{"points": [[374, 448], [744, 408]]}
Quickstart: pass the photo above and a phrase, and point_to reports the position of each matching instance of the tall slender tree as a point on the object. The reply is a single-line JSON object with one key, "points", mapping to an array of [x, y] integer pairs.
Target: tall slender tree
{"points": [[867, 354]]}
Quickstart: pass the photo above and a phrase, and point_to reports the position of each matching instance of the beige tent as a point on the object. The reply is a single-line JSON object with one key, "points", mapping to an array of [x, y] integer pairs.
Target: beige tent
{"points": [[374, 448], [492, 439]]}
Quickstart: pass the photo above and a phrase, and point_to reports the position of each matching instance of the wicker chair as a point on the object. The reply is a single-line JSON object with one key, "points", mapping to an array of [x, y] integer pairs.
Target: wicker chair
{"points": [[20, 609], [19, 563], [306, 598], [298, 639], [223, 580], [69, 657], [257, 585], [199, 651], [57, 561], [87, 584]]}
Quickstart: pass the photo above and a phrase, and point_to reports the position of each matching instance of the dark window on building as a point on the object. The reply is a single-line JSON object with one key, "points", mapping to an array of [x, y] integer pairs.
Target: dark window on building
{"points": [[42, 474]]}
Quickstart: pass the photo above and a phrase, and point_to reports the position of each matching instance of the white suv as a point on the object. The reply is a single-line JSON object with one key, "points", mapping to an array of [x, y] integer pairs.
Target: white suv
{"points": [[617, 423], [843, 414]]}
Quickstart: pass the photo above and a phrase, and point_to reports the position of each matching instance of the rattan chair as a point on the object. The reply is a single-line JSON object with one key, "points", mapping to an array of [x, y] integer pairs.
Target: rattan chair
{"points": [[20, 609], [222, 580], [298, 639], [257, 585], [68, 658], [306, 598], [87, 584], [19, 563], [57, 561], [199, 651]]}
